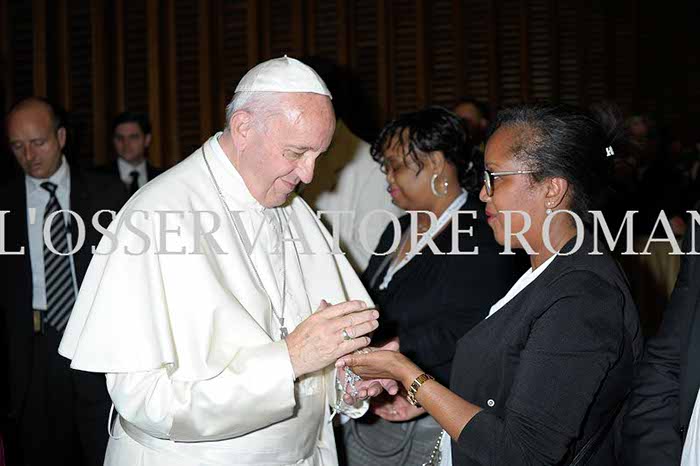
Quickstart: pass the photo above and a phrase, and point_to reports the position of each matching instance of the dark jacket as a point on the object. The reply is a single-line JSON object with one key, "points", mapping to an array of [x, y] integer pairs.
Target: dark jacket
{"points": [[550, 367], [666, 385], [89, 194], [435, 299], [113, 169]]}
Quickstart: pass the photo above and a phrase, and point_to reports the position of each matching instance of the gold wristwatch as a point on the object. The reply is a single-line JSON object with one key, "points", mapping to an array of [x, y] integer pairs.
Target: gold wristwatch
{"points": [[415, 385]]}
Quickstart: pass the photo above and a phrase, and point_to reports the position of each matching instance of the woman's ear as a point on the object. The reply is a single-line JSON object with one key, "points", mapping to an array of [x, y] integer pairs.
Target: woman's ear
{"points": [[557, 190], [436, 161]]}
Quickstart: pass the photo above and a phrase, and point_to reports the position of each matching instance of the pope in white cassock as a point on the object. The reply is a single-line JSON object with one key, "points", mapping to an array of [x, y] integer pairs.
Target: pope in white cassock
{"points": [[199, 304]]}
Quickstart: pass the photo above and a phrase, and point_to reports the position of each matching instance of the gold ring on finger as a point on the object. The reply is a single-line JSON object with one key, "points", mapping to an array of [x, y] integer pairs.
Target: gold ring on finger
{"points": [[346, 335]]}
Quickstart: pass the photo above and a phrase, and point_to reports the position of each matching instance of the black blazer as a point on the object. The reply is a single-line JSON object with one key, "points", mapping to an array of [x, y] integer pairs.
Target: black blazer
{"points": [[665, 385], [550, 367], [113, 169], [435, 299], [89, 194]]}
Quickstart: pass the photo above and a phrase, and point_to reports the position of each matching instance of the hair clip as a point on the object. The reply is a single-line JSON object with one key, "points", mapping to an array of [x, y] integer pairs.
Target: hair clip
{"points": [[609, 151]]}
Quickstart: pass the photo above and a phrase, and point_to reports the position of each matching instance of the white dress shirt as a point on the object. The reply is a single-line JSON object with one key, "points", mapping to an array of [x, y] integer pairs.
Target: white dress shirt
{"points": [[37, 198], [125, 169]]}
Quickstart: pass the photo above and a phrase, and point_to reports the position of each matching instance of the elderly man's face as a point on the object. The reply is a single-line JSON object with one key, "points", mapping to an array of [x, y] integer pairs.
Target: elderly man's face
{"points": [[282, 151], [35, 142]]}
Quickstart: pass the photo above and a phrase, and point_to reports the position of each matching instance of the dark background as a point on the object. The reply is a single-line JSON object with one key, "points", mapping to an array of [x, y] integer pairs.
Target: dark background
{"points": [[180, 60]]}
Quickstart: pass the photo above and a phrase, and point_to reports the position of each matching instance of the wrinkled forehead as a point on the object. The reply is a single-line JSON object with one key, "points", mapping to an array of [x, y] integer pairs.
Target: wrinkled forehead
{"points": [[303, 119]]}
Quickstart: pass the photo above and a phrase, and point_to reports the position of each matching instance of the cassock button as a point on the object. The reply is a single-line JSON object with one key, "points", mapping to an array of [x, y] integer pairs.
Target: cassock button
{"points": [[491, 403]]}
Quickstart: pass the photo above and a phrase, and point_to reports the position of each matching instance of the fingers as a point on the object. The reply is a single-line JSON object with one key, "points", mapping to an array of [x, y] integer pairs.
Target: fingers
{"points": [[357, 318], [390, 346], [345, 308], [348, 346], [362, 329]]}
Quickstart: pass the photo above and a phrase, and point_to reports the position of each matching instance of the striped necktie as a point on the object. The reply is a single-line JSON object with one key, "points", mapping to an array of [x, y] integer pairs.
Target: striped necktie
{"points": [[60, 290]]}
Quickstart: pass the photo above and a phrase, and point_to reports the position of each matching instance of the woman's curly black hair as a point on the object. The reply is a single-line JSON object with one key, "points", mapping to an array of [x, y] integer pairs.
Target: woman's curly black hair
{"points": [[431, 129]]}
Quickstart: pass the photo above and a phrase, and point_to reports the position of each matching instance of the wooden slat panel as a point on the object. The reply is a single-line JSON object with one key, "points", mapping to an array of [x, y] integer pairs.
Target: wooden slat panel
{"points": [[235, 62], [206, 81], [403, 52], [625, 19], [119, 57], [40, 55], [135, 56], [366, 58], [154, 68], [476, 60], [509, 51], [99, 94], [443, 60], [280, 23], [540, 50], [81, 105], [63, 63], [595, 79], [22, 48], [171, 137], [6, 78], [384, 59], [188, 47], [568, 51], [326, 27]]}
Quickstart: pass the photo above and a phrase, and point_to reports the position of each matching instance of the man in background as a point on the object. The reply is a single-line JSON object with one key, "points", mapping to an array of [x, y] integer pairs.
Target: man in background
{"points": [[58, 415], [131, 135]]}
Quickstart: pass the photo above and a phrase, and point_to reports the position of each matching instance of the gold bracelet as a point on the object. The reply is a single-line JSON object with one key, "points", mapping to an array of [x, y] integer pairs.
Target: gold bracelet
{"points": [[415, 385]]}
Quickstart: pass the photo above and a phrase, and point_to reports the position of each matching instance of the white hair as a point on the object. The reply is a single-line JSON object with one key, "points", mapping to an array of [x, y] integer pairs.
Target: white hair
{"points": [[259, 104]]}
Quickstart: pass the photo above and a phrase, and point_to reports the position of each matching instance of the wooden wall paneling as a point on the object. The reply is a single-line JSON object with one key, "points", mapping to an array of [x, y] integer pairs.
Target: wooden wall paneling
{"points": [[154, 100], [264, 28], [384, 60], [327, 38], [541, 66], [367, 67], [478, 50], [171, 134], [310, 26], [493, 60], [206, 81], [458, 41], [610, 53], [63, 71], [99, 90], [40, 57], [422, 62], [279, 18], [342, 33], [524, 51], [625, 45], [81, 110], [119, 58], [443, 54], [568, 51], [555, 50], [193, 79], [217, 64], [509, 57], [583, 35], [6, 62], [594, 34], [403, 57], [253, 34], [298, 46], [239, 46], [136, 59]]}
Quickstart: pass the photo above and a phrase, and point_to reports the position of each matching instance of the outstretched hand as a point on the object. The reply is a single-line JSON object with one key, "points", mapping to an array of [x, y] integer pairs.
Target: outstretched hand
{"points": [[369, 388]]}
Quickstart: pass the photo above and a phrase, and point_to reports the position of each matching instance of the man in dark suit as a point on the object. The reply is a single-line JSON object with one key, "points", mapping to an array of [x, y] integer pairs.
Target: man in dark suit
{"points": [[59, 415], [131, 135], [668, 377]]}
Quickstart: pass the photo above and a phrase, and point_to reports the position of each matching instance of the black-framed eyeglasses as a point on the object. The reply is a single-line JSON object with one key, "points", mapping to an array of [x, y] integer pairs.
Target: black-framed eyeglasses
{"points": [[489, 177]]}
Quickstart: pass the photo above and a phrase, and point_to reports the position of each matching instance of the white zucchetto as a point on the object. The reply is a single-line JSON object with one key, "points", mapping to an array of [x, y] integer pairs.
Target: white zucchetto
{"points": [[283, 74]]}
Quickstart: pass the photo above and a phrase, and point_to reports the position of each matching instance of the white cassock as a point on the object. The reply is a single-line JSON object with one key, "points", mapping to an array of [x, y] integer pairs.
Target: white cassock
{"points": [[195, 365]]}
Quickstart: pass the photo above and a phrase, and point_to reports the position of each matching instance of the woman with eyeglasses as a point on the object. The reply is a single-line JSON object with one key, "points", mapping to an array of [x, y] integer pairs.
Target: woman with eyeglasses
{"points": [[542, 379], [438, 280]]}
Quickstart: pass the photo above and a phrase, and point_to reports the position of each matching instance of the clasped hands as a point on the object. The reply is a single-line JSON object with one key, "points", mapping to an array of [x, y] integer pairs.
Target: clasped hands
{"points": [[332, 332]]}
